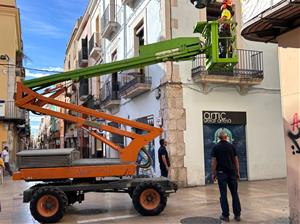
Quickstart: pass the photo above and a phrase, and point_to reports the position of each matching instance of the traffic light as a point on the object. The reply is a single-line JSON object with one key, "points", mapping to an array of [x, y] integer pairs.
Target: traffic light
{"points": [[201, 3]]}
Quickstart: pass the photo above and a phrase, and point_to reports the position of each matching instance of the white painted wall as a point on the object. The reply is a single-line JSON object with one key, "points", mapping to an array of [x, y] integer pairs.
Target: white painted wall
{"points": [[145, 104], [264, 132]]}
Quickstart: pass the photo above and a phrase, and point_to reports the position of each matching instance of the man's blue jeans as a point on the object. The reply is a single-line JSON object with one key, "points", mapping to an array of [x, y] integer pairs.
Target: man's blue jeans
{"points": [[225, 180]]}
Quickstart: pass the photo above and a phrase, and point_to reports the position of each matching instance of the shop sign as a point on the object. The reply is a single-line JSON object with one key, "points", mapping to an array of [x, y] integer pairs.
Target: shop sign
{"points": [[223, 117]]}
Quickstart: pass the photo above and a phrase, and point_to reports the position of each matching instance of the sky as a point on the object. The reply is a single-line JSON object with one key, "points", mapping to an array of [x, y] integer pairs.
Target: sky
{"points": [[46, 28]]}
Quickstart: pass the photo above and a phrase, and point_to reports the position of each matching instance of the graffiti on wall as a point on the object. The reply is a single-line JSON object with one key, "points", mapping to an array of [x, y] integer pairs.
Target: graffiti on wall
{"points": [[294, 135]]}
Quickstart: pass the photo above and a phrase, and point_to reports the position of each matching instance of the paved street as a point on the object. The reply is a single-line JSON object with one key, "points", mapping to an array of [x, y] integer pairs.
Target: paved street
{"points": [[262, 202]]}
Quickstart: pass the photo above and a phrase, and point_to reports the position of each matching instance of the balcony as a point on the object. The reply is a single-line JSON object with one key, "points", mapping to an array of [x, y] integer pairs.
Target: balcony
{"points": [[95, 46], [23, 130], [20, 72], [246, 73], [83, 57], [54, 125], [134, 84], [83, 89], [109, 22], [19, 58], [265, 20], [9, 112], [92, 102], [110, 97]]}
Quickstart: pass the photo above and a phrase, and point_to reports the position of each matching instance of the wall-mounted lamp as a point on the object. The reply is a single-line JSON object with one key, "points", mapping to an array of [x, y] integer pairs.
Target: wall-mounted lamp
{"points": [[158, 93], [4, 57]]}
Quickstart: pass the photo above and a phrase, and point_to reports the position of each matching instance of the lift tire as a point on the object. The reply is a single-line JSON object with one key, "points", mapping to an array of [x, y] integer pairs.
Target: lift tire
{"points": [[149, 199], [48, 204]]}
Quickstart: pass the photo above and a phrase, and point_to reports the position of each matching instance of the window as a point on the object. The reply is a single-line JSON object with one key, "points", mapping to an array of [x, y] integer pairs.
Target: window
{"points": [[139, 40], [139, 37], [84, 48]]}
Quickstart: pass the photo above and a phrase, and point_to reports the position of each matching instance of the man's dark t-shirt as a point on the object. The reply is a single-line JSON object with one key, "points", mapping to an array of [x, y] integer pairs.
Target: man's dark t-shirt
{"points": [[162, 151], [225, 153]]}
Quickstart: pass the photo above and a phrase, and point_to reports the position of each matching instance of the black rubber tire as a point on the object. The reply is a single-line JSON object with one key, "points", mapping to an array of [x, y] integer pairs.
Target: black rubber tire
{"points": [[136, 199], [58, 194], [130, 191]]}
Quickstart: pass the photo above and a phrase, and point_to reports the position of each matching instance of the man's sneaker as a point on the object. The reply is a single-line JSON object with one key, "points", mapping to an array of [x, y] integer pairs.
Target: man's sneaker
{"points": [[224, 218], [237, 218]]}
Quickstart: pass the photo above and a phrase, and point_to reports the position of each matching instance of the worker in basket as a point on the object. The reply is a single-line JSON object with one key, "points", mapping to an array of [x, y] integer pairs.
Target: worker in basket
{"points": [[225, 45]]}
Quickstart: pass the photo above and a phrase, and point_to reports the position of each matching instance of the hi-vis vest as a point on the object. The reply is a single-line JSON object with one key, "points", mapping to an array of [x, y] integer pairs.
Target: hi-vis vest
{"points": [[226, 14]]}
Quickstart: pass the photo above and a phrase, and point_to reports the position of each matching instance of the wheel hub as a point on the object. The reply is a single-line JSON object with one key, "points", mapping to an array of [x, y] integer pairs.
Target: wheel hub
{"points": [[150, 199], [47, 205]]}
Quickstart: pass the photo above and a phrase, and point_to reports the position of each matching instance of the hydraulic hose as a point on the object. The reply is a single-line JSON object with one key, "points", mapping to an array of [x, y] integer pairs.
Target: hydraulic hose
{"points": [[149, 160]]}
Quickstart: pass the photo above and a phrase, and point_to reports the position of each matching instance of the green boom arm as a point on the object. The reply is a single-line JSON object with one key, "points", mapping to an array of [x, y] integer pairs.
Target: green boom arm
{"points": [[179, 49]]}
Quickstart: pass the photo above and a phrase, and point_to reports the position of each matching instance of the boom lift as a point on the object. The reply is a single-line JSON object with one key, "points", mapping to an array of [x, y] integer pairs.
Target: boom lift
{"points": [[66, 185]]}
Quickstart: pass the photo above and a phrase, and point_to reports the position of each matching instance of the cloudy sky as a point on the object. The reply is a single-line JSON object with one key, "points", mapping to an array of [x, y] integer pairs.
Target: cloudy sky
{"points": [[46, 27]]}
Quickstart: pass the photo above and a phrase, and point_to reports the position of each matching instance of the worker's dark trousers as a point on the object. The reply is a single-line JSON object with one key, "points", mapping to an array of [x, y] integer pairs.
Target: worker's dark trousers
{"points": [[164, 172], [7, 168], [224, 44], [230, 180]]}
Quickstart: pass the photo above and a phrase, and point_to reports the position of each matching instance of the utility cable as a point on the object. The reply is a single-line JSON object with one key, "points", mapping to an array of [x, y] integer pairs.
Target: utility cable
{"points": [[32, 69]]}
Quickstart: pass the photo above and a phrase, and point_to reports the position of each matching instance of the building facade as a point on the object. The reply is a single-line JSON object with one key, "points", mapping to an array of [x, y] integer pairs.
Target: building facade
{"points": [[14, 123], [279, 22], [189, 103]]}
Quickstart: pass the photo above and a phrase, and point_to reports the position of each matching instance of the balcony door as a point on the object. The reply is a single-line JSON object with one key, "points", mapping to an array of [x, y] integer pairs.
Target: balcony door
{"points": [[84, 44], [139, 40]]}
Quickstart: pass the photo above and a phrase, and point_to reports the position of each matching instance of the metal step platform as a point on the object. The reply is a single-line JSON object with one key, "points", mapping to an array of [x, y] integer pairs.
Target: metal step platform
{"points": [[52, 164]]}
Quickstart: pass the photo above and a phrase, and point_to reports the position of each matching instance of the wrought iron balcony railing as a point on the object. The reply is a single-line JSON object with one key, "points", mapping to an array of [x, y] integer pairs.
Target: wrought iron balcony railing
{"points": [[83, 57], [83, 88], [250, 65], [134, 84], [110, 21], [95, 45], [110, 91], [246, 73]]}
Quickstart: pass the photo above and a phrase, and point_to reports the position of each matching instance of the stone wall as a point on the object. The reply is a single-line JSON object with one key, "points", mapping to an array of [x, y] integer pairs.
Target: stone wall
{"points": [[173, 115], [289, 58]]}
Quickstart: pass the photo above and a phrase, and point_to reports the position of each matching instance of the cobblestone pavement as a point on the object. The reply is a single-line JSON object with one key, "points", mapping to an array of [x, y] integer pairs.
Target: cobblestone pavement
{"points": [[262, 202]]}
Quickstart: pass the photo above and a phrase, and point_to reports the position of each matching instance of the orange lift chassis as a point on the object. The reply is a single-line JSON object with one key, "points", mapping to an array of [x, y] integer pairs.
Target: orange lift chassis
{"points": [[65, 185], [128, 155]]}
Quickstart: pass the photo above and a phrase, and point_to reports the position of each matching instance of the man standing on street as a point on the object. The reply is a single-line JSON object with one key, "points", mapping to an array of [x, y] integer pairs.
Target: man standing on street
{"points": [[163, 158], [225, 168], [5, 157]]}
